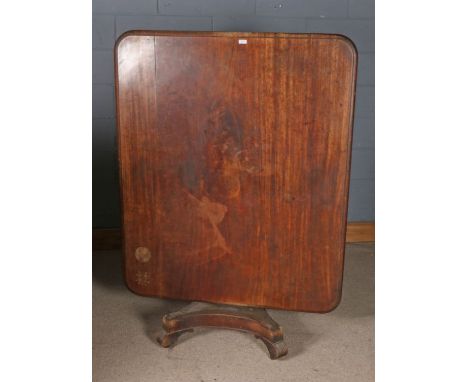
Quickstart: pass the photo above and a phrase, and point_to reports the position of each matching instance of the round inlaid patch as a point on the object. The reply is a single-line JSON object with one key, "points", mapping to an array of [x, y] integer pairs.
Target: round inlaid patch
{"points": [[143, 254]]}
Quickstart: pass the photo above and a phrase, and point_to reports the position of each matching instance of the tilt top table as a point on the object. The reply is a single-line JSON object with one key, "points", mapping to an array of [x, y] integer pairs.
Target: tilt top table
{"points": [[234, 153]]}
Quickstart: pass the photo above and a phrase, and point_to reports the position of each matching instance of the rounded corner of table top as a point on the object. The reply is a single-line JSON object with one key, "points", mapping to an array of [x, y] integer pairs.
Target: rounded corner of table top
{"points": [[348, 44]]}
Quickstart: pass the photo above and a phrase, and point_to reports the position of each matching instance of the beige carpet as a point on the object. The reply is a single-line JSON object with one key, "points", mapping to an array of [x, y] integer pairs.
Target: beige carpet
{"points": [[337, 346]]}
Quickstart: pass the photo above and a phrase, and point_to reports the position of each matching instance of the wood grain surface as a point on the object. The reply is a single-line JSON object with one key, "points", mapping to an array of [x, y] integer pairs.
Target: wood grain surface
{"points": [[234, 165], [109, 239]]}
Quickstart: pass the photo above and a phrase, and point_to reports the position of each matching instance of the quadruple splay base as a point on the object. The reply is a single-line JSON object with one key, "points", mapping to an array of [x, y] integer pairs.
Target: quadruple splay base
{"points": [[251, 320]]}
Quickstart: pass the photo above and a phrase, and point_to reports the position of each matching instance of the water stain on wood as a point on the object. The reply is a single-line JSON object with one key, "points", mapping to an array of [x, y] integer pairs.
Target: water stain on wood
{"points": [[143, 254], [213, 213]]}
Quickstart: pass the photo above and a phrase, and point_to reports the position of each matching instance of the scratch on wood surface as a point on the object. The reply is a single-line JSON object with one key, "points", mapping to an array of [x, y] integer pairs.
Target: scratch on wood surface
{"points": [[142, 278]]}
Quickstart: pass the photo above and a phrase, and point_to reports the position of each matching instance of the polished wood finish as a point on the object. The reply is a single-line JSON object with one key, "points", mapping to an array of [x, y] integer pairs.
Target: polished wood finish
{"points": [[234, 165], [245, 319], [111, 238]]}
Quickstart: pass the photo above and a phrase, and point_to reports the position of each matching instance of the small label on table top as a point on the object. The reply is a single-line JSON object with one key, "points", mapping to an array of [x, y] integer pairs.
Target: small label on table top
{"points": [[242, 42]]}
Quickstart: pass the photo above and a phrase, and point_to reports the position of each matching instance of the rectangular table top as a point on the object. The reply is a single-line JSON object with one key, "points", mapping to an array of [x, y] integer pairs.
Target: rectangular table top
{"points": [[234, 152]]}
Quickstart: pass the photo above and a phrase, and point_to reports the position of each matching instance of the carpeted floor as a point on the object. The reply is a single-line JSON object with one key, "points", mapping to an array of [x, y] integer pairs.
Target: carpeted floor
{"points": [[337, 346]]}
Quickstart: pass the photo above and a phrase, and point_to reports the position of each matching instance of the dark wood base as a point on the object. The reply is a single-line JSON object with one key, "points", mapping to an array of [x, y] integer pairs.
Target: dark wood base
{"points": [[252, 320]]}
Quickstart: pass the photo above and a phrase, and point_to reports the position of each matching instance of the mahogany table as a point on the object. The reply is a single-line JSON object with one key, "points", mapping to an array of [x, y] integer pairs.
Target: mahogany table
{"points": [[234, 152]]}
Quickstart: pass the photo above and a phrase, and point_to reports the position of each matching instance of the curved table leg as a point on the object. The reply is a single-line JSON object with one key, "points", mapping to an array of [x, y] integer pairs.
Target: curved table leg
{"points": [[275, 349], [168, 339], [252, 320]]}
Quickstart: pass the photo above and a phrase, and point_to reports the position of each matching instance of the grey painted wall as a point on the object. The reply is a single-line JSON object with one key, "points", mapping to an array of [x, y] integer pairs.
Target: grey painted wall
{"points": [[353, 18]]}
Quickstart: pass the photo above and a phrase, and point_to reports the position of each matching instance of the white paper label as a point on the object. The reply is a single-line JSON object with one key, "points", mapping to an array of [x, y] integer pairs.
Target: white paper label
{"points": [[242, 42]]}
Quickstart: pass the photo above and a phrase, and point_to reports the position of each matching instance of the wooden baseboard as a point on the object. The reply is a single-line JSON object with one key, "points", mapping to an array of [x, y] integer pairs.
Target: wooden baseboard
{"points": [[358, 232], [110, 238], [106, 239]]}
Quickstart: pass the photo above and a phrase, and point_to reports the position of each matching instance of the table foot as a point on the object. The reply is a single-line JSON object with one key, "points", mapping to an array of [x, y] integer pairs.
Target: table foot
{"points": [[252, 320]]}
